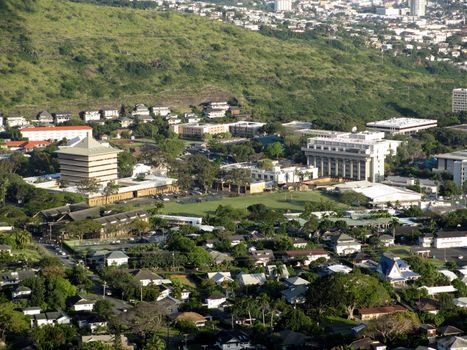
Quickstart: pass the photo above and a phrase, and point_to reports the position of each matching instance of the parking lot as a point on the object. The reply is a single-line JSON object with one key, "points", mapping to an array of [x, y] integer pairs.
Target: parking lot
{"points": [[458, 255]]}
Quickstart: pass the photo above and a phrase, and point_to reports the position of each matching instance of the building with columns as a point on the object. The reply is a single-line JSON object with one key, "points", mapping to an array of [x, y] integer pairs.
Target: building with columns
{"points": [[357, 156]]}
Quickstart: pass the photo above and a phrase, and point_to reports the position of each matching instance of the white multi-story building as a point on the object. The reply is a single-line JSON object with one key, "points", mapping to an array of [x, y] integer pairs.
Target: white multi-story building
{"points": [[417, 8], [450, 239], [284, 174], [358, 156], [459, 100], [61, 117], [196, 131], [460, 172], [395, 126], [162, 111], [13, 122], [56, 133], [282, 5], [91, 116], [109, 113]]}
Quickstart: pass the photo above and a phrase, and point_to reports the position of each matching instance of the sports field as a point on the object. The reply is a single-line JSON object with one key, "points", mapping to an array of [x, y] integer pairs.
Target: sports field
{"points": [[293, 201]]}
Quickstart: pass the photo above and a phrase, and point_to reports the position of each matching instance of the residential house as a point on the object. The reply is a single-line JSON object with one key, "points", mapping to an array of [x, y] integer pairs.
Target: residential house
{"points": [[140, 110], [90, 116], [346, 245], [452, 343], [386, 240], [61, 117], [16, 121], [428, 305], [21, 292], [95, 323], [449, 330], [109, 113], [426, 240], [116, 258], [15, 277], [147, 277], [45, 117], [299, 243], [108, 339], [366, 314], [26, 146], [235, 240], [220, 277], [143, 119], [215, 301], [251, 279], [233, 340], [460, 302], [395, 270], [219, 258], [290, 340], [161, 111], [262, 257], [125, 122], [295, 294], [49, 318], [79, 303], [296, 281], [305, 256], [192, 317], [337, 268], [30, 311], [367, 344]]}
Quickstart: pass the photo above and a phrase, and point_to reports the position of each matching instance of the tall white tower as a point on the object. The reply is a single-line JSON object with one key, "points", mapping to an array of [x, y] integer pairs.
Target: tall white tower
{"points": [[282, 5], [417, 8]]}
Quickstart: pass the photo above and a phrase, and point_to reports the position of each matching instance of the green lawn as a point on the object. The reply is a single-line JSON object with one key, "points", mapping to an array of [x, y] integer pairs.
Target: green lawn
{"points": [[293, 201]]}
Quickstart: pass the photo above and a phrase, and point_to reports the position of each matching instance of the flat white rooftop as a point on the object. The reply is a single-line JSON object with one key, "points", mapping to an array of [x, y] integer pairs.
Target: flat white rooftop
{"points": [[402, 123]]}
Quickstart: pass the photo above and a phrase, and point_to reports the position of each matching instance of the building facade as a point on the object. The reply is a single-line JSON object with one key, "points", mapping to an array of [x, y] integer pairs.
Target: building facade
{"points": [[459, 100], [446, 161], [88, 160], [417, 8], [358, 156], [56, 133], [196, 131], [396, 126], [282, 5], [460, 172]]}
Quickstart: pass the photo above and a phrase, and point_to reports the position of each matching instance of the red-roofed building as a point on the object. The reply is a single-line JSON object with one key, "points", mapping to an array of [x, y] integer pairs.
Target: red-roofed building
{"points": [[56, 133], [26, 145]]}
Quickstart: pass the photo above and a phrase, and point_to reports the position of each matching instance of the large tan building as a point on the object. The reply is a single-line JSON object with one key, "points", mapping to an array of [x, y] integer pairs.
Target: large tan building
{"points": [[196, 131], [88, 159]]}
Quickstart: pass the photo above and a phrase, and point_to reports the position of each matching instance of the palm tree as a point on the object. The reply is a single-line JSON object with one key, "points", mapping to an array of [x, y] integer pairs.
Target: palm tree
{"points": [[394, 224], [22, 237]]}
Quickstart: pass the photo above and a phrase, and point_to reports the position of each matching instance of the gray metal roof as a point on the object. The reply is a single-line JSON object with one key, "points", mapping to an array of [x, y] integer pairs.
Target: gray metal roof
{"points": [[88, 147]]}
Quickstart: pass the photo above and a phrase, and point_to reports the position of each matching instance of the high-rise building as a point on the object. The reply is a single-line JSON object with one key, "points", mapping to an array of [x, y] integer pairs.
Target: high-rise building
{"points": [[459, 100], [460, 172], [358, 156], [88, 160], [282, 5], [417, 8]]}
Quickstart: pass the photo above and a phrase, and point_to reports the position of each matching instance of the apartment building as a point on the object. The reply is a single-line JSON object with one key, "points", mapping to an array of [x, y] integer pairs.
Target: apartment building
{"points": [[246, 129], [450, 239], [282, 5], [417, 8], [88, 159], [91, 116], [396, 126], [459, 100], [358, 156], [196, 131], [56, 133]]}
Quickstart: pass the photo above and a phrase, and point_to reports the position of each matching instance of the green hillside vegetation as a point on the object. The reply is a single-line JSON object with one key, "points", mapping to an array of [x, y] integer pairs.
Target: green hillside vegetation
{"points": [[61, 55]]}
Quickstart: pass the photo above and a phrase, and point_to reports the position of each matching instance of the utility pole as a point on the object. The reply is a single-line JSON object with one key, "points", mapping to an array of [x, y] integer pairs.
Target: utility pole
{"points": [[104, 285]]}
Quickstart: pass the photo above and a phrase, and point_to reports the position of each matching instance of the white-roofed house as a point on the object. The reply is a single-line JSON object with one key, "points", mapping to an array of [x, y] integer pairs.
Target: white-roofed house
{"points": [[220, 277], [251, 279]]}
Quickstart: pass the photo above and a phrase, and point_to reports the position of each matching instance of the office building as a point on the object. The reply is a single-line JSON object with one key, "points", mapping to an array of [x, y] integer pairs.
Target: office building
{"points": [[459, 100], [88, 159], [446, 161], [56, 133], [282, 5], [358, 156], [396, 126], [196, 131], [417, 8], [460, 172], [246, 129]]}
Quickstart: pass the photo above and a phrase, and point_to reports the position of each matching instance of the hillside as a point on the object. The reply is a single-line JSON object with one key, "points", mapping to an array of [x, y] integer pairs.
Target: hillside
{"points": [[63, 55]]}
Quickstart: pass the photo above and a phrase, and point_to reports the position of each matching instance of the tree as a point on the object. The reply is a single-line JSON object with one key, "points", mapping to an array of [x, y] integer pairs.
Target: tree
{"points": [[154, 343], [88, 186], [173, 147], [139, 227], [296, 320], [274, 150], [145, 318], [239, 177], [109, 190], [103, 308], [22, 238], [199, 257], [449, 188], [391, 326], [4, 183], [80, 229], [78, 275], [345, 293], [201, 170], [126, 162], [11, 320], [55, 337]]}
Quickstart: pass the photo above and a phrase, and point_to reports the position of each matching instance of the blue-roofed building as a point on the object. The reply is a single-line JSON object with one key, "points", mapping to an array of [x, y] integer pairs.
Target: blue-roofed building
{"points": [[395, 270]]}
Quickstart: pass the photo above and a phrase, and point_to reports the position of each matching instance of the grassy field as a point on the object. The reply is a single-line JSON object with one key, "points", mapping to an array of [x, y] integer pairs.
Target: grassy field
{"points": [[293, 201], [61, 55]]}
